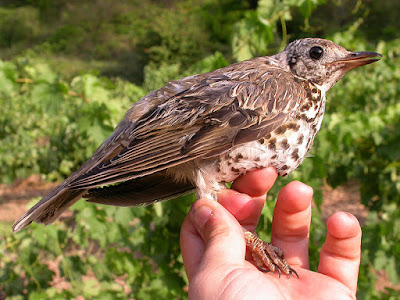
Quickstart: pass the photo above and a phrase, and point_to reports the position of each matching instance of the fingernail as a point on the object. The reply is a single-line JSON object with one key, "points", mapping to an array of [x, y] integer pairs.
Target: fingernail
{"points": [[201, 215]]}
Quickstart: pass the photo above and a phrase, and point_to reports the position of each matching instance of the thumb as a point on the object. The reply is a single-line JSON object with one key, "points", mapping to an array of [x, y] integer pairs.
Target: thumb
{"points": [[223, 249], [221, 233]]}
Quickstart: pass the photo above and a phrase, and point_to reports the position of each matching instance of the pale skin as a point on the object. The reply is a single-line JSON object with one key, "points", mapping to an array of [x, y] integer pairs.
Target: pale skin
{"points": [[214, 250]]}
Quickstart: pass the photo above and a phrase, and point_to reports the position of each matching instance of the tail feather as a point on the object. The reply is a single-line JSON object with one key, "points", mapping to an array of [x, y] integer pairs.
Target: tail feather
{"points": [[48, 209], [143, 190]]}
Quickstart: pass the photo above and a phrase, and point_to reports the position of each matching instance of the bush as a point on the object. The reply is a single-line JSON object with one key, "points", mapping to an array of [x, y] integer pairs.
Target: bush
{"points": [[18, 26], [51, 126]]}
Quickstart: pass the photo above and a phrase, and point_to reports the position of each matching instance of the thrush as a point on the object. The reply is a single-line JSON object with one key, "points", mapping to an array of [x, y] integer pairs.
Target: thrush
{"points": [[202, 131]]}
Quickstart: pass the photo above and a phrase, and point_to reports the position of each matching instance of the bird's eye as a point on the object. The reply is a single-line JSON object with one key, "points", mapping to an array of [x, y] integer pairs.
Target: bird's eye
{"points": [[316, 52]]}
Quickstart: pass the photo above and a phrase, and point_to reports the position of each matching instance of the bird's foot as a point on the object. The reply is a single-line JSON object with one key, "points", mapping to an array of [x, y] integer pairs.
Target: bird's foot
{"points": [[267, 257]]}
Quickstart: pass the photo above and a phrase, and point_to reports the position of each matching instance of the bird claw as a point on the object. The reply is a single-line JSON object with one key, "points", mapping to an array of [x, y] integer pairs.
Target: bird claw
{"points": [[267, 257], [292, 271]]}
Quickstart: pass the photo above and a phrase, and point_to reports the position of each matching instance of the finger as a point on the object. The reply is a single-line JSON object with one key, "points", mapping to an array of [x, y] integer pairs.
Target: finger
{"points": [[246, 206], [245, 209], [222, 236], [256, 183], [291, 222], [340, 255]]}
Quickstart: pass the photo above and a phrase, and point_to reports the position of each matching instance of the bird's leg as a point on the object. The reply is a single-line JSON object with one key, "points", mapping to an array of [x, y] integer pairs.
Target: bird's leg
{"points": [[267, 257]]}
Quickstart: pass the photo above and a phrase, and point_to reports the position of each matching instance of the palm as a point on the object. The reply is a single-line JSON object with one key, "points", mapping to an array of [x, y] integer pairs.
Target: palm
{"points": [[215, 259], [262, 285]]}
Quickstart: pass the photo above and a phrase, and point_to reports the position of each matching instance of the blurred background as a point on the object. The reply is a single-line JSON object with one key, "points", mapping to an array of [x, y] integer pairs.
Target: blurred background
{"points": [[70, 69]]}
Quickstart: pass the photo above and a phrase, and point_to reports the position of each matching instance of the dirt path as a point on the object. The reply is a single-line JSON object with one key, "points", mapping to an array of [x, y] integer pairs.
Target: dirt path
{"points": [[346, 197], [15, 197]]}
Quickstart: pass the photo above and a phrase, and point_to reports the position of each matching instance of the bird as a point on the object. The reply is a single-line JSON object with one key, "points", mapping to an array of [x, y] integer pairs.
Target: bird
{"points": [[202, 131]]}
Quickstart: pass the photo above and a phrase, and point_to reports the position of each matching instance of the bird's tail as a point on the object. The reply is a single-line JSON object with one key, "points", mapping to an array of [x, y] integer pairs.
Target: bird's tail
{"points": [[144, 190], [48, 209]]}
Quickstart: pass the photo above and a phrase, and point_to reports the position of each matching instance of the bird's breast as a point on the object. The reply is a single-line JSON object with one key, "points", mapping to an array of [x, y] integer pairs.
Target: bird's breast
{"points": [[284, 148]]}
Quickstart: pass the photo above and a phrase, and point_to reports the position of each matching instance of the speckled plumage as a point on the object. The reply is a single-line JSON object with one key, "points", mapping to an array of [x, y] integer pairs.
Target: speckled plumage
{"points": [[204, 130]]}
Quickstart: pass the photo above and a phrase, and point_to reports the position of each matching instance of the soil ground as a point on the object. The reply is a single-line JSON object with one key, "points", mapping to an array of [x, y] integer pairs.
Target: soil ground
{"points": [[15, 197]]}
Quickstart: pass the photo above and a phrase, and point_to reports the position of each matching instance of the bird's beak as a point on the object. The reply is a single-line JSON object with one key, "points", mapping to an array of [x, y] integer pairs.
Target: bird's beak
{"points": [[358, 59]]}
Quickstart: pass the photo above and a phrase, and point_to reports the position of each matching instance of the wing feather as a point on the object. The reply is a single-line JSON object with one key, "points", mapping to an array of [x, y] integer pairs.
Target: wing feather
{"points": [[214, 114]]}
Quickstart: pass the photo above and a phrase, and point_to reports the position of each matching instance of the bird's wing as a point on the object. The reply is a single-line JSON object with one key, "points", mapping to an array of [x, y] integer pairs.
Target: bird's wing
{"points": [[216, 113]]}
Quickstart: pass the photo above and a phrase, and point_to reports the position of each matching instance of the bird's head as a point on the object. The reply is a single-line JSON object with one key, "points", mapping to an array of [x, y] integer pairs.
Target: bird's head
{"points": [[321, 61]]}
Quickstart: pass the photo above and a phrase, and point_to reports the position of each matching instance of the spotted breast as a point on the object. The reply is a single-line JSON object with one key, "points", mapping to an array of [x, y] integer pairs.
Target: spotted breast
{"points": [[283, 148]]}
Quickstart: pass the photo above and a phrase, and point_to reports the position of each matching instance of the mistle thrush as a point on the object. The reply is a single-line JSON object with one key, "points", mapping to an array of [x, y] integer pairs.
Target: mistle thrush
{"points": [[202, 131]]}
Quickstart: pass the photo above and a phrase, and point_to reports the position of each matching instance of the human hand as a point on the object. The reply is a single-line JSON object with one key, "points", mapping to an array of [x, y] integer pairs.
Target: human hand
{"points": [[213, 245]]}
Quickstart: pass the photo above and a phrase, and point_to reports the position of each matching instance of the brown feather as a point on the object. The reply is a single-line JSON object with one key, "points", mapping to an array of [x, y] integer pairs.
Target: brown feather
{"points": [[198, 116], [144, 190]]}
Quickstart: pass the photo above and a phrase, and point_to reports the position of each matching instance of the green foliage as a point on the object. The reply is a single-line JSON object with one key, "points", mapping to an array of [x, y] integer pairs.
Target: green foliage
{"points": [[18, 26], [52, 118], [93, 249], [119, 38], [50, 126]]}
